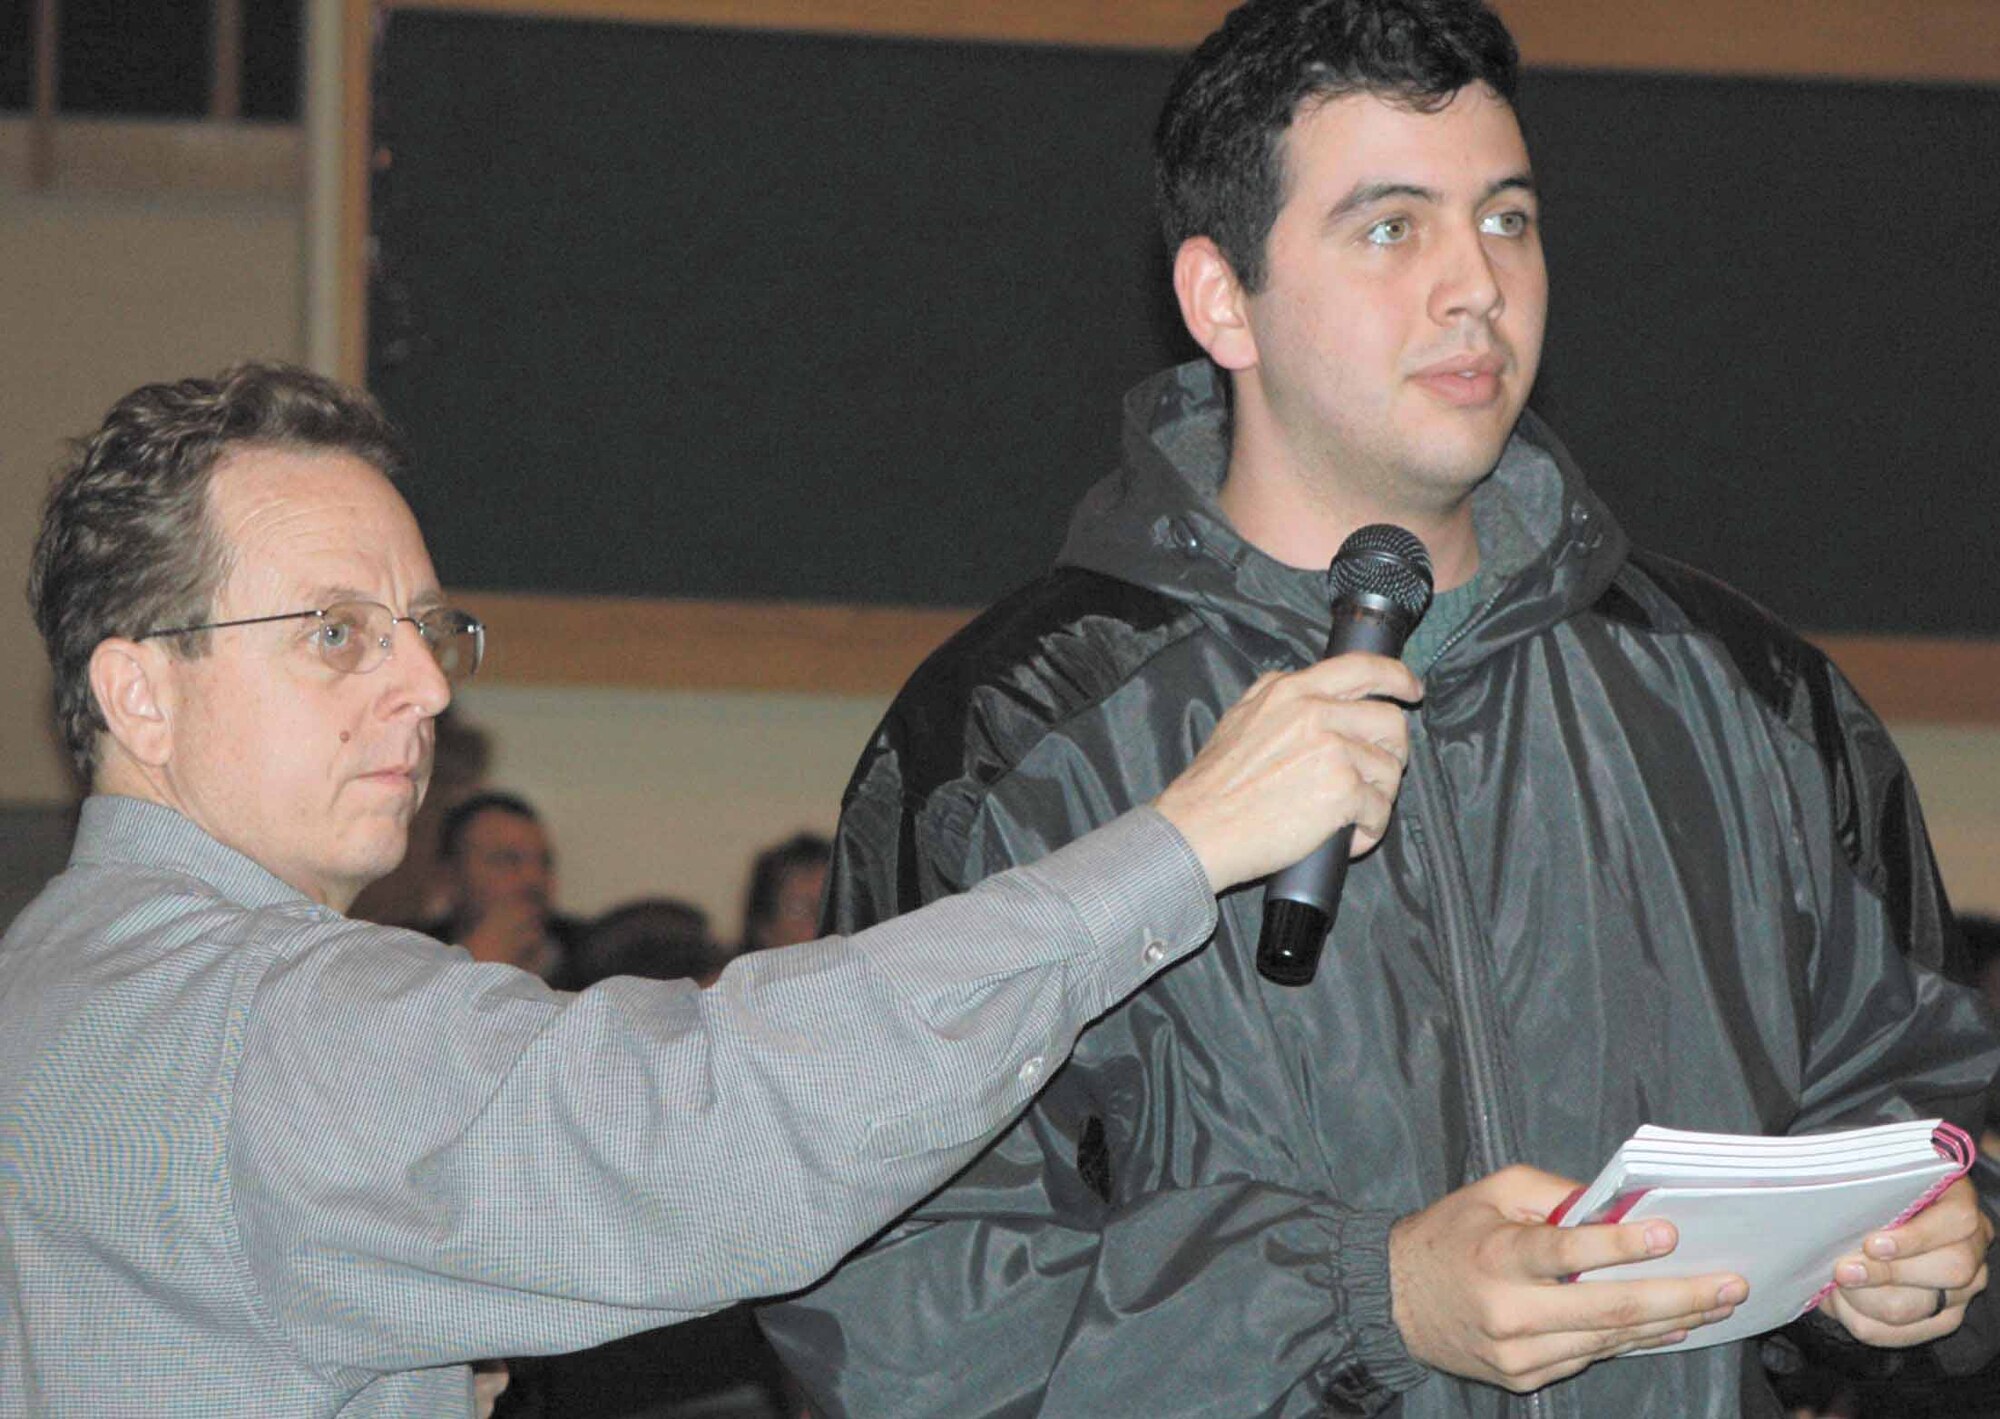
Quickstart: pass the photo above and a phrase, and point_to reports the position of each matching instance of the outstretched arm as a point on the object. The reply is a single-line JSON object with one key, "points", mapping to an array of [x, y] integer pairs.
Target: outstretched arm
{"points": [[1024, 1286]]}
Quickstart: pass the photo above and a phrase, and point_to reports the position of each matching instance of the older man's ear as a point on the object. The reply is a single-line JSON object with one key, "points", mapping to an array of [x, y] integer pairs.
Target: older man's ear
{"points": [[133, 684]]}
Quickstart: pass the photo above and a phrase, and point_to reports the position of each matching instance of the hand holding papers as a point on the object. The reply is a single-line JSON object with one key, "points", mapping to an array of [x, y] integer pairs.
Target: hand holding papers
{"points": [[1780, 1212]]}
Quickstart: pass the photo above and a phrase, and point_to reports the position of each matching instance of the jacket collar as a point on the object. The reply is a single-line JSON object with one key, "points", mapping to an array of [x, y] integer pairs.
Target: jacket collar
{"points": [[1548, 546]]}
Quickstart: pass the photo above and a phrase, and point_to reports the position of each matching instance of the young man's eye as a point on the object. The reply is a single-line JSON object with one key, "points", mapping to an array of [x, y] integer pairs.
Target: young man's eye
{"points": [[1389, 231], [1506, 224]]}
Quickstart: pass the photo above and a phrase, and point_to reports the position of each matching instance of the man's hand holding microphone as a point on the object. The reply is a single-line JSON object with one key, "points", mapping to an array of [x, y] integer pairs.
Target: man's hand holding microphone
{"points": [[1299, 757]]}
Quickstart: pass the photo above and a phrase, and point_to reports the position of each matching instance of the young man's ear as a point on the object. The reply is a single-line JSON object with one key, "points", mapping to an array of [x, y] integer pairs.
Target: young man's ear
{"points": [[1213, 303], [132, 681]]}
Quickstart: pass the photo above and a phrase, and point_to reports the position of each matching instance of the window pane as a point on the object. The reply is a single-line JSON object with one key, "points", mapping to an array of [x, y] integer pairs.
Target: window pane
{"points": [[17, 53], [135, 56], [271, 39]]}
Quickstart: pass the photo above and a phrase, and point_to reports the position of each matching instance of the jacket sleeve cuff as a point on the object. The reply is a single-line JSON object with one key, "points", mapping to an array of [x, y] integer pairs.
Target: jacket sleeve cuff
{"points": [[1374, 1366]]}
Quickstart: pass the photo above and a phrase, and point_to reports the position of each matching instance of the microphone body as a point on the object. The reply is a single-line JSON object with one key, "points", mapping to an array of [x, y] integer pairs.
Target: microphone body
{"points": [[1381, 586]]}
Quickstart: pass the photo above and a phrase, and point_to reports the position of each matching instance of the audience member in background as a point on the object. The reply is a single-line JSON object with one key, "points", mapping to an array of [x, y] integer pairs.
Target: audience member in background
{"points": [[497, 873], [659, 938], [787, 881], [461, 757]]}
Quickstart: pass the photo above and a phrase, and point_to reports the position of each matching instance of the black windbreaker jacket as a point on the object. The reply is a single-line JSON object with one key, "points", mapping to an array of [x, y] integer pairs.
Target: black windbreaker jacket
{"points": [[1653, 861]]}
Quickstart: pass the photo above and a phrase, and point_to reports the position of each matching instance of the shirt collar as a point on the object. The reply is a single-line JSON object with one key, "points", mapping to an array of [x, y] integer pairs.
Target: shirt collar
{"points": [[113, 829]]}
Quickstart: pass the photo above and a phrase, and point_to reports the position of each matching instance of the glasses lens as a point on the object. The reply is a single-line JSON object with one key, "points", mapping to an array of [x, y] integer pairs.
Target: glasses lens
{"points": [[457, 639], [354, 635]]}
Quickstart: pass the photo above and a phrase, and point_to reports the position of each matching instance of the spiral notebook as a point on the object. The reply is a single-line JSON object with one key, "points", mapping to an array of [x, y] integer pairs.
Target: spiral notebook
{"points": [[1779, 1212]]}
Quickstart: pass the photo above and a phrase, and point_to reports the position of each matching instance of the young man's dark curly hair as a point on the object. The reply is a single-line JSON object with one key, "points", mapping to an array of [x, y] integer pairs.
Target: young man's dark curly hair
{"points": [[1218, 150]]}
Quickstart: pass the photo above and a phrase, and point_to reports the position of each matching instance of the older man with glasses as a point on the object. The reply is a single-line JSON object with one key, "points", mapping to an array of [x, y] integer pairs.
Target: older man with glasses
{"points": [[256, 1157]]}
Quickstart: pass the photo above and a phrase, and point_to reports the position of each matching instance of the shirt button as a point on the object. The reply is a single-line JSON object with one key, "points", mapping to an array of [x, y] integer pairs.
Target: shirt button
{"points": [[1031, 1069], [1153, 954]]}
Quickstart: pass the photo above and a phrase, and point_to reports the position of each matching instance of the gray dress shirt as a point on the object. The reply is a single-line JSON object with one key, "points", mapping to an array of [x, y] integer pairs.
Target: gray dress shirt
{"points": [[257, 1158]]}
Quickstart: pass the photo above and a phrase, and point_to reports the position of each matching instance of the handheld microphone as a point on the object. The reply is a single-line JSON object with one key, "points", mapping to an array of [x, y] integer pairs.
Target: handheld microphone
{"points": [[1381, 586]]}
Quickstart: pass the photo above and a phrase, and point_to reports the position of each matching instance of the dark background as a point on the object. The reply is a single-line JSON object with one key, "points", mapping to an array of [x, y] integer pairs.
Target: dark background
{"points": [[152, 58], [673, 312]]}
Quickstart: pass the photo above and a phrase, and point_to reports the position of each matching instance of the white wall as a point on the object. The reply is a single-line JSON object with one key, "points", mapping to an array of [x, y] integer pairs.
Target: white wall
{"points": [[1958, 778], [99, 294], [650, 793]]}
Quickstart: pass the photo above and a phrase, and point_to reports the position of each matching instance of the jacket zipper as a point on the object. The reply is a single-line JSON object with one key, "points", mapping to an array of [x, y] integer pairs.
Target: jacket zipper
{"points": [[1494, 1129], [1492, 1145]]}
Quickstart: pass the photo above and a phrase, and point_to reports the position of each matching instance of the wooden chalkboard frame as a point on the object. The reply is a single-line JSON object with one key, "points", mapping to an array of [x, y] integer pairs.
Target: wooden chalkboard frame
{"points": [[1952, 41], [869, 650]]}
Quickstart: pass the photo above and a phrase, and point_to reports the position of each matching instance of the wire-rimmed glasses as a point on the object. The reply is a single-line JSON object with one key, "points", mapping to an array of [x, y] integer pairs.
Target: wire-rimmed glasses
{"points": [[355, 637]]}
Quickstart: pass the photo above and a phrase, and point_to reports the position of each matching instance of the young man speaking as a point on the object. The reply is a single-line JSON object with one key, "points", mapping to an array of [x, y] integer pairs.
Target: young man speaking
{"points": [[1652, 862]]}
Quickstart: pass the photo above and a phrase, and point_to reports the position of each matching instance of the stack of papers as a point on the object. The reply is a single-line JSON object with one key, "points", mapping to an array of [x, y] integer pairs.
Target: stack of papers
{"points": [[1779, 1212]]}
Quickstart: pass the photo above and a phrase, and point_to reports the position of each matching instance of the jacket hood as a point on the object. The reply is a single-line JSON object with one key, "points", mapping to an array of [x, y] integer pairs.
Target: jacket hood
{"points": [[1548, 546]]}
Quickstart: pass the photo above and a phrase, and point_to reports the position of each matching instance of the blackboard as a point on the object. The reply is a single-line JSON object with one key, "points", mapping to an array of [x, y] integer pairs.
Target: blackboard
{"points": [[687, 313]]}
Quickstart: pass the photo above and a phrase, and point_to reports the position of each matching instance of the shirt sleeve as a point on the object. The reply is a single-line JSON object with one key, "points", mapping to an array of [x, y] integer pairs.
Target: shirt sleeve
{"points": [[1021, 1289], [435, 1160]]}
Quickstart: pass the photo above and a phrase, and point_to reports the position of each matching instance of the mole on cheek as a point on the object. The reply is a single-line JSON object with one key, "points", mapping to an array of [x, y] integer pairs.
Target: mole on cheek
{"points": [[345, 736]]}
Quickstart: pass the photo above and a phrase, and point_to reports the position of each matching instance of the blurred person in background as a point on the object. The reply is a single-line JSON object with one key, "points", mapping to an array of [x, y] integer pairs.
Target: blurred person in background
{"points": [[658, 938], [787, 881], [461, 756], [497, 887]]}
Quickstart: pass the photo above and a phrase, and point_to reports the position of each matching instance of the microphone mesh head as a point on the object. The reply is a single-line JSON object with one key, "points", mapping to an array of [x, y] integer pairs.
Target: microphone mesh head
{"points": [[1384, 561]]}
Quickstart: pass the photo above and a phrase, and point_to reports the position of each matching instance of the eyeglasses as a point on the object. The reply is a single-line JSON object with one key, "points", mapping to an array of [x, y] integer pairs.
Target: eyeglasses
{"points": [[355, 637]]}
